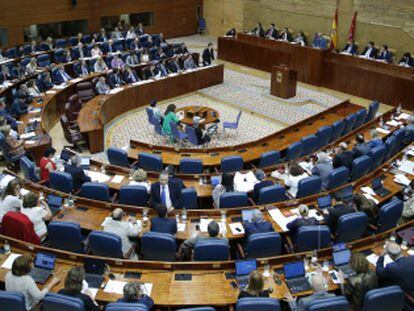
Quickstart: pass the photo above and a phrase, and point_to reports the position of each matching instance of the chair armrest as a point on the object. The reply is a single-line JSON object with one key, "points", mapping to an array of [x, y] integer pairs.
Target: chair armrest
{"points": [[253, 166], [114, 198], [241, 250], [372, 227], [290, 248], [251, 201], [410, 299]]}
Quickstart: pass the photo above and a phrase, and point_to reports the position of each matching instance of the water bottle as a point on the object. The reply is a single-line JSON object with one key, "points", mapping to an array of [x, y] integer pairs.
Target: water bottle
{"points": [[266, 272], [6, 247], [184, 215], [71, 202], [399, 109], [223, 216], [314, 259]]}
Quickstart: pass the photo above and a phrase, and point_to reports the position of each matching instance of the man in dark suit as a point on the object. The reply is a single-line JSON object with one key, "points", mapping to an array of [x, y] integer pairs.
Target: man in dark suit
{"points": [[115, 79], [370, 51], [261, 177], [406, 60], [361, 148], [150, 72], [400, 271], [271, 33], [350, 48], [45, 81], [78, 175], [61, 75], [257, 224], [4, 113], [166, 192], [302, 220], [172, 66], [285, 35], [385, 54], [208, 54], [162, 223], [80, 68], [258, 31], [78, 51], [19, 106], [343, 157], [130, 76], [335, 212]]}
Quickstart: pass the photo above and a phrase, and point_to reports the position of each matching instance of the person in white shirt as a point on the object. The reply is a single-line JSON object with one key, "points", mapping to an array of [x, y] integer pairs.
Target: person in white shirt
{"points": [[124, 229], [96, 51], [102, 87], [38, 211], [291, 177], [31, 67], [131, 33], [100, 65], [11, 200], [132, 59], [140, 179], [32, 89]]}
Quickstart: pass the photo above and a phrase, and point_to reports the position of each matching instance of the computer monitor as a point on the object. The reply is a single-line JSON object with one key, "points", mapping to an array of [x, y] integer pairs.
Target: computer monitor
{"points": [[294, 269], [45, 261], [247, 215], [325, 201], [244, 267], [341, 257], [376, 183], [94, 266]]}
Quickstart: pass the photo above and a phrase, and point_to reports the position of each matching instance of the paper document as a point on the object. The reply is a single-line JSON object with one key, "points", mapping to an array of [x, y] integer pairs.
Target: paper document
{"points": [[117, 287], [204, 224], [32, 120], [383, 131], [373, 258], [5, 180], [180, 227], [116, 90], [403, 116], [24, 191], [28, 135], [36, 110], [393, 123], [50, 92], [312, 213], [407, 167], [368, 190], [117, 179], [236, 228], [30, 142], [370, 197], [244, 182], [402, 179], [281, 219], [9, 261], [97, 176]]}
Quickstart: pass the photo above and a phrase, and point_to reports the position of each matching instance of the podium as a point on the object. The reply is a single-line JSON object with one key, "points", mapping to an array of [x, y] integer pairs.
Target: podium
{"points": [[283, 82]]}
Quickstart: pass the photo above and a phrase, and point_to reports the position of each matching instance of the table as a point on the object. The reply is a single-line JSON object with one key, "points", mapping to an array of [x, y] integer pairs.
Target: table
{"points": [[206, 114]]}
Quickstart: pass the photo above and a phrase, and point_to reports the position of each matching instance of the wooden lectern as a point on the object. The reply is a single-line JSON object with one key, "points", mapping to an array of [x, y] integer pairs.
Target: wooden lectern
{"points": [[283, 82]]}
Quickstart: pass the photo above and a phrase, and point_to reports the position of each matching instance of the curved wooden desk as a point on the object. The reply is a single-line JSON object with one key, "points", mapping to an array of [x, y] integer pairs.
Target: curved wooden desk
{"points": [[206, 114]]}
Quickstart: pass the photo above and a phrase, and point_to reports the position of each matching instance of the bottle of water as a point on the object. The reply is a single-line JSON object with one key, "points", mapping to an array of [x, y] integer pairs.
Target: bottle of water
{"points": [[314, 259], [71, 202], [6, 247], [184, 215]]}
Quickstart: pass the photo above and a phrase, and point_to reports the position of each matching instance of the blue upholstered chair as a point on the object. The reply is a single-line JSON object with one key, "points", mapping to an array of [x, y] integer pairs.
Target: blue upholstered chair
{"points": [[294, 151], [66, 236], [57, 302], [349, 123], [399, 136], [117, 156], [361, 116], [392, 144], [176, 133], [28, 169], [150, 162], [337, 129], [257, 304], [231, 164], [360, 167], [234, 199], [61, 43], [61, 181], [269, 158], [191, 135], [12, 301], [324, 134], [11, 52], [310, 144], [189, 198], [43, 60], [265, 244], [351, 227], [126, 306], [198, 309], [150, 114], [211, 250], [372, 111], [309, 186], [133, 195], [389, 215], [158, 246], [105, 244], [390, 298], [190, 166], [338, 177], [339, 303], [95, 191], [232, 125], [271, 194], [377, 156], [73, 41], [312, 237], [60, 56]]}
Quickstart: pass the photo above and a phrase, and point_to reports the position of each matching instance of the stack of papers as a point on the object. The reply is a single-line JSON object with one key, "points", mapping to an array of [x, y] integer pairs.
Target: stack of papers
{"points": [[50, 92], [402, 179], [281, 219], [374, 258], [117, 287], [117, 179], [368, 190], [28, 135], [370, 197], [9, 261], [244, 182], [204, 224], [394, 123], [407, 167], [97, 176], [236, 228], [403, 116], [116, 90], [382, 131]]}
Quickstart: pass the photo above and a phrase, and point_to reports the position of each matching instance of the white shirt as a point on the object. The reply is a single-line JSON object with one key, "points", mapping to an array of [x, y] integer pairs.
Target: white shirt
{"points": [[368, 53], [124, 229], [96, 52], [36, 215], [33, 91], [130, 35], [10, 203], [290, 181], [168, 203]]}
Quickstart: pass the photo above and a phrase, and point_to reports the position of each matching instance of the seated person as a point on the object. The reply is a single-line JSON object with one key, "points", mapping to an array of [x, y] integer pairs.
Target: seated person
{"points": [[231, 32], [115, 79], [257, 224], [255, 287], [375, 139], [161, 70], [322, 168], [124, 229], [335, 212], [318, 285], [271, 33], [302, 220], [361, 148], [61, 76], [385, 55], [262, 183], [7, 116], [139, 178], [409, 130], [367, 206], [78, 51], [46, 164], [19, 280], [11, 198], [19, 106], [226, 185], [101, 87], [186, 248], [32, 89], [172, 66], [31, 67], [408, 210], [370, 51], [343, 156], [356, 286], [81, 69], [291, 177], [258, 31], [406, 60], [171, 171], [156, 111], [134, 293], [117, 62], [100, 65], [38, 211], [319, 41], [166, 192], [301, 39], [135, 45], [13, 145], [189, 63], [46, 82], [162, 223], [400, 271], [169, 115], [5, 74], [149, 72], [96, 51], [202, 136], [78, 175], [285, 35], [350, 48], [74, 288], [132, 59]]}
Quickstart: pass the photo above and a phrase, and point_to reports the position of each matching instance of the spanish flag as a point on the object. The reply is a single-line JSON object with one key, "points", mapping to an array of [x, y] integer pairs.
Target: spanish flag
{"points": [[334, 32]]}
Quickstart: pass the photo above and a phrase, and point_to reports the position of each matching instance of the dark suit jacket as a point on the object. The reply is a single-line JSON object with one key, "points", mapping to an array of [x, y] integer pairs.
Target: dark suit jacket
{"points": [[18, 108], [334, 213], [385, 55], [294, 225], [343, 159], [208, 56], [373, 53], [128, 79], [400, 272], [258, 186], [354, 49], [253, 227], [175, 194], [360, 150], [78, 176], [407, 60], [10, 120], [78, 69], [272, 33], [115, 79], [261, 32], [164, 225]]}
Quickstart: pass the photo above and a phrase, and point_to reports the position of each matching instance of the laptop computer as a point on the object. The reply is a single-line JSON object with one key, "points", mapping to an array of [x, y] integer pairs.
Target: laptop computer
{"points": [[324, 202], [247, 215], [243, 269], [94, 272], [43, 267], [378, 188], [346, 194], [341, 261], [55, 203], [295, 277]]}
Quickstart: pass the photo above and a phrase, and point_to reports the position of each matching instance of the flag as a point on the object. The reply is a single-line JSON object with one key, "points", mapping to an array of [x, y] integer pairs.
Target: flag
{"points": [[351, 35], [334, 32]]}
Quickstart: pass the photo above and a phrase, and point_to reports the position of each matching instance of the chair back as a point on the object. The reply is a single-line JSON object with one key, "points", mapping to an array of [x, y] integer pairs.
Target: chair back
{"points": [[233, 199], [190, 166], [126, 306], [75, 103], [211, 250], [338, 177], [337, 129], [271, 194], [372, 111], [269, 158], [310, 238], [85, 91], [150, 162], [60, 55], [351, 227], [309, 144], [198, 309], [61, 181], [309, 186], [158, 246], [392, 145], [117, 156], [265, 244], [12, 301], [377, 156], [105, 244], [258, 304], [158, 128], [73, 41], [133, 195], [192, 137], [28, 169], [349, 123], [189, 198], [11, 52], [324, 134], [360, 167], [57, 302], [231, 164], [361, 116], [19, 226], [294, 151], [43, 60], [175, 132], [61, 43], [339, 303], [150, 115], [66, 236], [95, 191], [390, 298], [389, 215]]}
